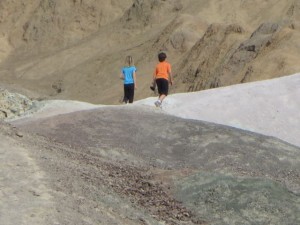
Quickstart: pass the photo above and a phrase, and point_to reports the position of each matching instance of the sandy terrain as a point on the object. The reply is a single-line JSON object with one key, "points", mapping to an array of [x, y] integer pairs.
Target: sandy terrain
{"points": [[267, 107], [135, 164]]}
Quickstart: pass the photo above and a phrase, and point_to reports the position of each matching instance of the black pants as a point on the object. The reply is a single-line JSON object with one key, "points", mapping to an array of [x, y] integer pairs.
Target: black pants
{"points": [[128, 93], [162, 86]]}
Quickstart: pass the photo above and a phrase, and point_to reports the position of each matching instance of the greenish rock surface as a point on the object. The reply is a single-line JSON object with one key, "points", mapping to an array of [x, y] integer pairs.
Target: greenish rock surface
{"points": [[224, 200]]}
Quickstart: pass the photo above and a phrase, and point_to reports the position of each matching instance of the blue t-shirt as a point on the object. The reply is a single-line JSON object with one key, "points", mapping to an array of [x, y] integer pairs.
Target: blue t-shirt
{"points": [[128, 74]]}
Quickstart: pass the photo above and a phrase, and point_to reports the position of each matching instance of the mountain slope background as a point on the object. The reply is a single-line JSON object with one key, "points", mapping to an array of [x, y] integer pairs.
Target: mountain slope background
{"points": [[75, 49]]}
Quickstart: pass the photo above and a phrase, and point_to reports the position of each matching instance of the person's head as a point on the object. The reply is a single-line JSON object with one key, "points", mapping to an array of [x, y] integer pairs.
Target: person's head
{"points": [[129, 60], [162, 56]]}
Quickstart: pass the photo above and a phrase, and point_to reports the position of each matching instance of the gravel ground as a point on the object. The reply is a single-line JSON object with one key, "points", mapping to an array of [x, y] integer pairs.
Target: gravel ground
{"points": [[136, 165]]}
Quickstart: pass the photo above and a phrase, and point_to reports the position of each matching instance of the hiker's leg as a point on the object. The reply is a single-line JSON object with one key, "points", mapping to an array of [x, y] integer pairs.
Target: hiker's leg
{"points": [[126, 93], [162, 97], [130, 93], [164, 89]]}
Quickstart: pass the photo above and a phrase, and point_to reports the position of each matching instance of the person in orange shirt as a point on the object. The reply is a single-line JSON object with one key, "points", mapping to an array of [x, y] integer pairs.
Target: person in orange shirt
{"points": [[161, 77]]}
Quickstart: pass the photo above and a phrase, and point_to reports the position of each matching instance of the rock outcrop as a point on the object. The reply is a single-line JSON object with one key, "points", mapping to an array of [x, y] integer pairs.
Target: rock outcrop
{"points": [[14, 105]]}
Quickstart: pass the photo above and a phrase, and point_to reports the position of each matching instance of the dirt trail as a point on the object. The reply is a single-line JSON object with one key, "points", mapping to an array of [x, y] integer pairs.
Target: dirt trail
{"points": [[25, 196]]}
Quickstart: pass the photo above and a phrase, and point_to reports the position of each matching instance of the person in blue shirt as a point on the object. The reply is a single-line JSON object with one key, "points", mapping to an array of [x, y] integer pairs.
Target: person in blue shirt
{"points": [[129, 77]]}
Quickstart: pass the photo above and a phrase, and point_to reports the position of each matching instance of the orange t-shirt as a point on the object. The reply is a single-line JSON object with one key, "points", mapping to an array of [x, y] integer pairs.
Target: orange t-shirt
{"points": [[162, 70]]}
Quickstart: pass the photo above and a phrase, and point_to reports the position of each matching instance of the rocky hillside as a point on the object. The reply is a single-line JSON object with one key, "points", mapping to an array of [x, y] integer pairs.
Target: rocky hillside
{"points": [[101, 167], [74, 49]]}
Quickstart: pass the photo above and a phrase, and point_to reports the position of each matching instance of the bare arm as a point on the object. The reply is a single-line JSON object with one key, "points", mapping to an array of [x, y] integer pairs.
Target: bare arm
{"points": [[154, 77], [171, 78], [134, 79]]}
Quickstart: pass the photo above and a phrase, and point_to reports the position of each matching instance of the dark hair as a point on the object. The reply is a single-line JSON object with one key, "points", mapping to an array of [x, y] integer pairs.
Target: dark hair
{"points": [[162, 56]]}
